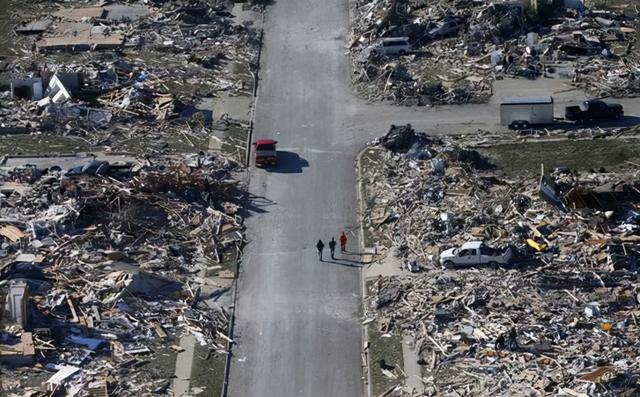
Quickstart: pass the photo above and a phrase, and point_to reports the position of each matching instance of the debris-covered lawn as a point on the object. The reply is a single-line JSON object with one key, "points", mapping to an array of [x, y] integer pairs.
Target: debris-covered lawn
{"points": [[559, 318], [123, 72], [108, 270], [105, 266]]}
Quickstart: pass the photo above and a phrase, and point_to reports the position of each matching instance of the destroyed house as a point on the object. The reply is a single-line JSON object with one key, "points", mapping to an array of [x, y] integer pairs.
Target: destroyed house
{"points": [[609, 196]]}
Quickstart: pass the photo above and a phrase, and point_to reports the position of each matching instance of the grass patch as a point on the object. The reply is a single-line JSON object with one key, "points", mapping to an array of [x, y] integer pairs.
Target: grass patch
{"points": [[172, 142], [55, 144], [208, 370], [389, 349], [609, 5], [525, 158], [192, 79], [11, 12], [371, 160], [180, 143], [234, 143], [43, 144]]}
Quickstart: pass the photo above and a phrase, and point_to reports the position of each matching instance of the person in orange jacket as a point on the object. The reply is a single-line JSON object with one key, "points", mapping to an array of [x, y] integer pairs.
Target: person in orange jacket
{"points": [[343, 242]]}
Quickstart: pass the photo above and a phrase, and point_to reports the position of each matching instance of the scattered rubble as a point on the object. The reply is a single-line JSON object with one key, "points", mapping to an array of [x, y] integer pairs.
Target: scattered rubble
{"points": [[560, 318], [459, 48], [105, 266], [123, 72]]}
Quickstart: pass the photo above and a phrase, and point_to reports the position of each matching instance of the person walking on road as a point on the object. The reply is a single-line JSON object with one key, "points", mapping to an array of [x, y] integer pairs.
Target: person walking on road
{"points": [[320, 247], [332, 247], [343, 242]]}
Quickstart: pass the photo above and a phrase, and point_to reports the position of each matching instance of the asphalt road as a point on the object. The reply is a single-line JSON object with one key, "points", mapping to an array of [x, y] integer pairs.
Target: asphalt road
{"points": [[373, 119], [298, 324]]}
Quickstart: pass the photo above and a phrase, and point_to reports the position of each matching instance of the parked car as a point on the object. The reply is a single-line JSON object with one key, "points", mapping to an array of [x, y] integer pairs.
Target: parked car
{"points": [[475, 253], [593, 109], [266, 153], [391, 46], [448, 26]]}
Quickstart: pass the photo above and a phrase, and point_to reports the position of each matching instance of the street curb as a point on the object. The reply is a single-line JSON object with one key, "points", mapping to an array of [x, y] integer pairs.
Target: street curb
{"points": [[247, 160], [256, 80], [363, 287]]}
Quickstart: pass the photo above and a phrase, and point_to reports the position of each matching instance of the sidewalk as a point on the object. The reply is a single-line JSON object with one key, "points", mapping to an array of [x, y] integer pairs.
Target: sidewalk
{"points": [[184, 362]]}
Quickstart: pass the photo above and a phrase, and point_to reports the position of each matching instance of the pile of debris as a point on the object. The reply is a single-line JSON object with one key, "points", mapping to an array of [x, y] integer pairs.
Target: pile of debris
{"points": [[601, 79], [197, 27], [455, 49], [101, 72], [560, 318], [96, 98], [105, 267]]}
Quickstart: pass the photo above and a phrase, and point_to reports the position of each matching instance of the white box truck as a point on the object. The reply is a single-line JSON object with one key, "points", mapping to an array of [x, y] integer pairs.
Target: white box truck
{"points": [[523, 112]]}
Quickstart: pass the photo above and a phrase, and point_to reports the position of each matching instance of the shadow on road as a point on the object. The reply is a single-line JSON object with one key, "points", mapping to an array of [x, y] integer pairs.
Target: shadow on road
{"points": [[352, 253], [344, 262], [289, 163], [257, 205], [626, 121]]}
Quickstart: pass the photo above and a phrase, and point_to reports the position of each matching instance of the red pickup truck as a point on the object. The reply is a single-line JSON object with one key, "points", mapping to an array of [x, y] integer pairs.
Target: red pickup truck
{"points": [[266, 153]]}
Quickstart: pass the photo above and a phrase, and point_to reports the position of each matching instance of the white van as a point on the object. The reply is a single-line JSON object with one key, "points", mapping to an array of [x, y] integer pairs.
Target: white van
{"points": [[391, 46]]}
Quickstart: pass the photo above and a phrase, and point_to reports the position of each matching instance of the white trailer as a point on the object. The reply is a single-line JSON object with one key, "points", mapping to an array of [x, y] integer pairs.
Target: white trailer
{"points": [[522, 112]]}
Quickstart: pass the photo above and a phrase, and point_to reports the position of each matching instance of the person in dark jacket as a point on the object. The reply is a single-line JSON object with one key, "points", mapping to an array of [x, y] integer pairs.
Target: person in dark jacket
{"points": [[320, 247], [332, 247]]}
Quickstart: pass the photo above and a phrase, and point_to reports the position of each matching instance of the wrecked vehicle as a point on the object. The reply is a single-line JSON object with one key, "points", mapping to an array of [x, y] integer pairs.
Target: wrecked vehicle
{"points": [[449, 26], [391, 46], [475, 253], [593, 109]]}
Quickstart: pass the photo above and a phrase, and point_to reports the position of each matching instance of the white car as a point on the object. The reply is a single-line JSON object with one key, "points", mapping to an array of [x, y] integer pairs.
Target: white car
{"points": [[447, 27], [475, 253], [391, 46]]}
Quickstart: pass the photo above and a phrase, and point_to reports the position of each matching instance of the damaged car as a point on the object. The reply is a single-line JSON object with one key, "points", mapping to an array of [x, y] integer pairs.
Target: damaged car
{"points": [[448, 26], [391, 46], [474, 253]]}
